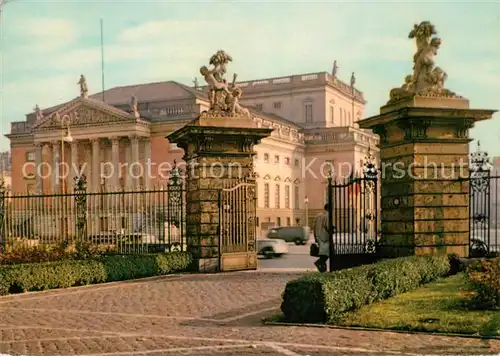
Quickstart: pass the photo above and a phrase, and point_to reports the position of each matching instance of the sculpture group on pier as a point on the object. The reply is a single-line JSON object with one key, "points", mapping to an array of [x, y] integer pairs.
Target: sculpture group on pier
{"points": [[427, 78], [224, 99]]}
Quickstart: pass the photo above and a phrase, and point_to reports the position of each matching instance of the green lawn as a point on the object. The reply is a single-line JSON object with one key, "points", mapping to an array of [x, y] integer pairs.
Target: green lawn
{"points": [[436, 307]]}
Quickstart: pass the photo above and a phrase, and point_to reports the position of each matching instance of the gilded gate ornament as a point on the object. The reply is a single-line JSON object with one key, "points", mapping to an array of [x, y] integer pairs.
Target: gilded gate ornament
{"points": [[427, 79], [224, 99]]}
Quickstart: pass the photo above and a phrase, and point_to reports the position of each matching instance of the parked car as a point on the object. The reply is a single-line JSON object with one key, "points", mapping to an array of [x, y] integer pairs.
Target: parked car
{"points": [[270, 248], [297, 234]]}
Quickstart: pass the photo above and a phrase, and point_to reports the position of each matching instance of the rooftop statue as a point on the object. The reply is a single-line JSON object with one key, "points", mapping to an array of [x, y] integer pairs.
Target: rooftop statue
{"points": [[134, 106], [224, 98], [84, 91], [38, 113], [427, 79]]}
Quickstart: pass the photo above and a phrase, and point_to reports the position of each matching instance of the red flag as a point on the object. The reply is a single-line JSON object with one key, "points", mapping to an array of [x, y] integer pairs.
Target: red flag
{"points": [[354, 185]]}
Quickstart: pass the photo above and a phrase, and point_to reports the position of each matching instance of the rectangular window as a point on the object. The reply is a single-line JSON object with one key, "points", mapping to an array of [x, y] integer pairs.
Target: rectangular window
{"points": [[287, 161], [297, 198], [277, 197], [266, 157], [287, 197], [266, 195], [276, 159], [277, 105], [308, 111], [278, 221], [332, 114], [297, 162], [259, 107], [30, 156], [257, 193], [288, 221]]}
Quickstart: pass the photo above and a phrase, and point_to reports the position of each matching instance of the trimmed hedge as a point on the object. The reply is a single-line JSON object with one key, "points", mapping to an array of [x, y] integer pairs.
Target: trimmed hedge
{"points": [[326, 297], [63, 274]]}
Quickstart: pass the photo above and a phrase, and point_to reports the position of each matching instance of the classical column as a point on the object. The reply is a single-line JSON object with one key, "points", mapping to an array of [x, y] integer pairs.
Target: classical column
{"points": [[115, 160], [56, 147], [38, 168], [147, 163], [95, 171], [128, 159], [74, 169], [134, 140]]}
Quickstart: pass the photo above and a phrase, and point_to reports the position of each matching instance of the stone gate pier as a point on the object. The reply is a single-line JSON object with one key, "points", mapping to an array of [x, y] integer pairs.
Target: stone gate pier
{"points": [[220, 182], [424, 153]]}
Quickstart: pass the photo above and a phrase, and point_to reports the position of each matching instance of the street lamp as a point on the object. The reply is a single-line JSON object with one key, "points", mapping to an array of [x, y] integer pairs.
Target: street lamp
{"points": [[65, 137], [306, 202]]}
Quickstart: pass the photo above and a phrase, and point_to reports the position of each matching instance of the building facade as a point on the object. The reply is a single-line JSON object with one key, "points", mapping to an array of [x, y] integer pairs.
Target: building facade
{"points": [[313, 116]]}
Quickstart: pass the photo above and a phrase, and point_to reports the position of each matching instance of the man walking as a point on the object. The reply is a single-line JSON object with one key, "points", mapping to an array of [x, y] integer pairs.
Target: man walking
{"points": [[322, 238]]}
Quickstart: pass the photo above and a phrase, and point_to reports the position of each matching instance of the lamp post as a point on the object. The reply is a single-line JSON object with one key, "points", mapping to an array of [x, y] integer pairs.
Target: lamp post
{"points": [[306, 203], [65, 137]]}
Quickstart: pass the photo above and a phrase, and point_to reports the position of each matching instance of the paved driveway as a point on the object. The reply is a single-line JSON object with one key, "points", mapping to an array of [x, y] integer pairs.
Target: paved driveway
{"points": [[190, 315]]}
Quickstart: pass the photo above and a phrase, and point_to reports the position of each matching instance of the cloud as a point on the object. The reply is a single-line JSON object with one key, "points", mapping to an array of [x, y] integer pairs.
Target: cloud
{"points": [[44, 34], [265, 40], [44, 91], [159, 30], [385, 48]]}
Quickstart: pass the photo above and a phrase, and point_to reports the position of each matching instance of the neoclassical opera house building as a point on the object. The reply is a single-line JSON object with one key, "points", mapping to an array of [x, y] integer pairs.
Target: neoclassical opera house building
{"points": [[313, 116]]}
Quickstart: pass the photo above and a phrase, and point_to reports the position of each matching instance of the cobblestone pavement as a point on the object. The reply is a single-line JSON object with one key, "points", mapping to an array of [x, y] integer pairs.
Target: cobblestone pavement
{"points": [[209, 315]]}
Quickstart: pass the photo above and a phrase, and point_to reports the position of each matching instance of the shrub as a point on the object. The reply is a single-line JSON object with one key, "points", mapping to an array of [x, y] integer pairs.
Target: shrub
{"points": [[63, 274], [18, 252], [484, 280], [327, 297]]}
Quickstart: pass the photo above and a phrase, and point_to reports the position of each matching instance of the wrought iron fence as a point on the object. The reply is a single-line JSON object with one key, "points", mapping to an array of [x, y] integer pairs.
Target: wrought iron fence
{"points": [[353, 210], [484, 205], [138, 221]]}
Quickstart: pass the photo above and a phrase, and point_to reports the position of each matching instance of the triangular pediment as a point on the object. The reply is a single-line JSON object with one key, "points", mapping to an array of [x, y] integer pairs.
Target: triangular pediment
{"points": [[83, 112]]}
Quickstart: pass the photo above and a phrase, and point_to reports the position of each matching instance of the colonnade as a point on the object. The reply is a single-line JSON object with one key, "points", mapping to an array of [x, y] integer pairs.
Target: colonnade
{"points": [[99, 157]]}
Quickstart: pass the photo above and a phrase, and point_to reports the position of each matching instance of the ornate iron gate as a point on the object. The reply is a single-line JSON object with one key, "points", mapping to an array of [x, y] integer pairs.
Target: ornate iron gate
{"points": [[353, 210], [237, 226], [484, 205]]}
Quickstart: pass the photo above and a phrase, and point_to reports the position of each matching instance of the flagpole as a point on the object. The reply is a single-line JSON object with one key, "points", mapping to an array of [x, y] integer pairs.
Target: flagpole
{"points": [[102, 58]]}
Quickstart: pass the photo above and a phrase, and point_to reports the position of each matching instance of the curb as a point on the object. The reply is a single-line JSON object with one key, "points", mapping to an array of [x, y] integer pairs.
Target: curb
{"points": [[281, 270], [3, 298], [359, 328]]}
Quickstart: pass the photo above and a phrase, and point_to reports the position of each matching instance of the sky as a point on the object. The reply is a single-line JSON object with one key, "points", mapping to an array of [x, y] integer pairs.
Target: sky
{"points": [[46, 45]]}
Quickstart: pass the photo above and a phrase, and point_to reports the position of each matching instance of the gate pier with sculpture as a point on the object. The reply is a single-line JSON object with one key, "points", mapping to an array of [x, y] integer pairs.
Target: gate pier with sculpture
{"points": [[220, 183], [424, 151]]}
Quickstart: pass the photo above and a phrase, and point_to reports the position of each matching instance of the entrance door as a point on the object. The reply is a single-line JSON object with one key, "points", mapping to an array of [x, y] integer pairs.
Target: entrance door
{"points": [[237, 226]]}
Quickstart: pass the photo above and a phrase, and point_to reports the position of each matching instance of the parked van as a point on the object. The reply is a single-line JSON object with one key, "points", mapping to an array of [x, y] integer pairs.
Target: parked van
{"points": [[297, 234]]}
